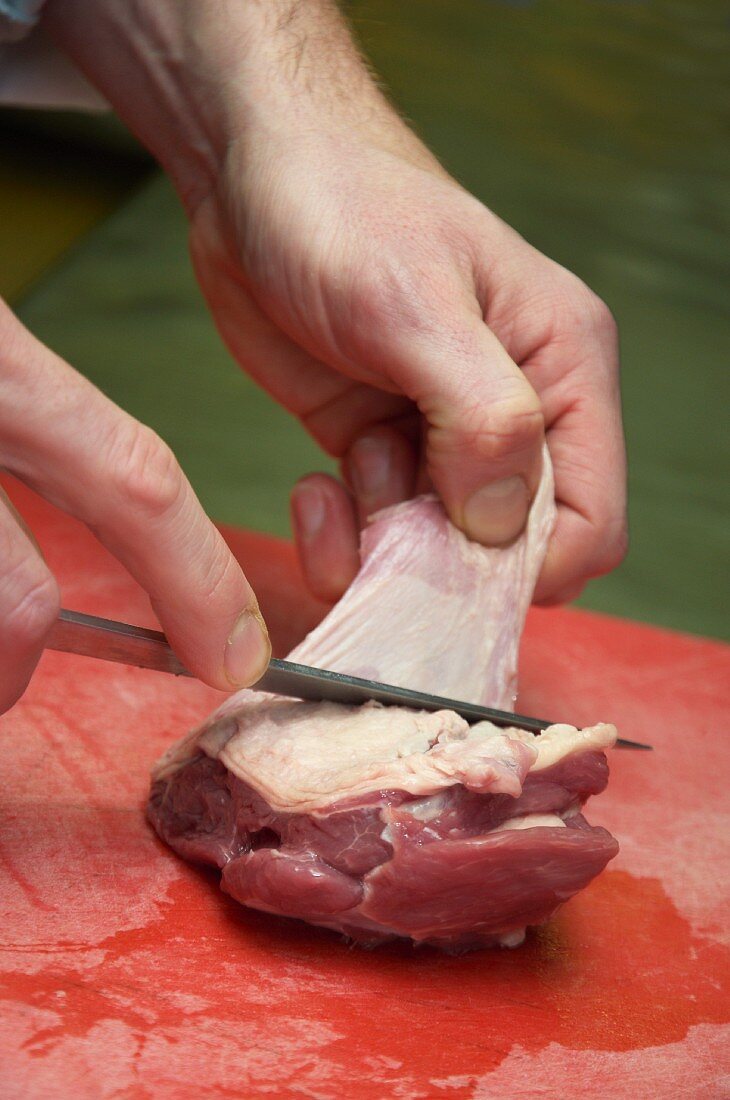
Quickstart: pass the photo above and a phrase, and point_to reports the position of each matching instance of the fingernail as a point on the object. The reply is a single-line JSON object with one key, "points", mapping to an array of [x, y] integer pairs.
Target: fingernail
{"points": [[248, 649], [496, 513], [309, 511], [369, 463]]}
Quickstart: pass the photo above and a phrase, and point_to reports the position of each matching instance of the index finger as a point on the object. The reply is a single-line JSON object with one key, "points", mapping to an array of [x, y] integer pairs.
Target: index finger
{"points": [[71, 443]]}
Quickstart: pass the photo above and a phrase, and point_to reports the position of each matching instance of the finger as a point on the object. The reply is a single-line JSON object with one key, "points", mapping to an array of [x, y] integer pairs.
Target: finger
{"points": [[563, 596], [582, 547], [381, 468], [485, 425], [326, 535], [63, 437], [29, 604], [5, 499], [583, 413]]}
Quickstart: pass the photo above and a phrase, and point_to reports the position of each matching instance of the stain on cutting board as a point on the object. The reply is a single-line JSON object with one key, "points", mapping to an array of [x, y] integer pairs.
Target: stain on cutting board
{"points": [[125, 973]]}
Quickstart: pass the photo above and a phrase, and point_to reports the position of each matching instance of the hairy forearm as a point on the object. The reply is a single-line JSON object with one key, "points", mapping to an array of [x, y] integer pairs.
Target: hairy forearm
{"points": [[190, 77]]}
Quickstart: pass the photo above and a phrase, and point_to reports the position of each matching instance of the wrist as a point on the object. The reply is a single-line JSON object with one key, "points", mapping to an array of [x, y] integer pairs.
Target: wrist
{"points": [[193, 77], [139, 56], [293, 64], [288, 73]]}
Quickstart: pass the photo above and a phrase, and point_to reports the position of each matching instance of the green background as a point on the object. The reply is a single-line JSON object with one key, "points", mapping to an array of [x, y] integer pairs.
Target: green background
{"points": [[598, 130]]}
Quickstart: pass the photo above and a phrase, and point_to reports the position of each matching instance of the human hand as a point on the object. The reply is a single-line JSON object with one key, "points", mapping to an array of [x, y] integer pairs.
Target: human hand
{"points": [[62, 437], [420, 340]]}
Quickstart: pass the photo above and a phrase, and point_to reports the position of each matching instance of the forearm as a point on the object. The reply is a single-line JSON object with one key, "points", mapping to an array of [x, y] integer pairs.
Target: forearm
{"points": [[189, 77]]}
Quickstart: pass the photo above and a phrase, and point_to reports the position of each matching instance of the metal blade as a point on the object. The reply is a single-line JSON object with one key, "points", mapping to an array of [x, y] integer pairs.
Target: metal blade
{"points": [[305, 682], [91, 636]]}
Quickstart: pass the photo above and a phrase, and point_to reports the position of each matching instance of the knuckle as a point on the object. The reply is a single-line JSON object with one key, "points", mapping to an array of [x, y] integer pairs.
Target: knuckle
{"points": [[590, 315], [221, 576], [144, 471], [581, 310], [35, 606], [601, 319], [508, 426]]}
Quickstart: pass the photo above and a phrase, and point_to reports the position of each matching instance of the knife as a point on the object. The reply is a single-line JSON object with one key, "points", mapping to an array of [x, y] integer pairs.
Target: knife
{"points": [[91, 636]]}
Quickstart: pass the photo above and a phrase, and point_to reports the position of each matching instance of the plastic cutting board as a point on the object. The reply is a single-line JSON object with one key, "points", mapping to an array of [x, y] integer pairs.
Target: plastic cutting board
{"points": [[127, 974]]}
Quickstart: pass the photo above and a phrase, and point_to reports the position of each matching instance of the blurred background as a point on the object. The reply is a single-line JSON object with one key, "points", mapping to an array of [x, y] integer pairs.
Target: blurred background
{"points": [[597, 129]]}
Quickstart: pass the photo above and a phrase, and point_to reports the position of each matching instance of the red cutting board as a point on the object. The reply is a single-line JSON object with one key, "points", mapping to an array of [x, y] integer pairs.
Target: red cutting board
{"points": [[127, 974]]}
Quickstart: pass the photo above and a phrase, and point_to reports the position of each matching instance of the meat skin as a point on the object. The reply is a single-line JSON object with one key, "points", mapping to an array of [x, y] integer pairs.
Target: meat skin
{"points": [[432, 611], [382, 822]]}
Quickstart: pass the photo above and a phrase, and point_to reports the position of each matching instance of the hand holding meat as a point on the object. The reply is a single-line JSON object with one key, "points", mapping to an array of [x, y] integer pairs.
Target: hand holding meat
{"points": [[420, 340]]}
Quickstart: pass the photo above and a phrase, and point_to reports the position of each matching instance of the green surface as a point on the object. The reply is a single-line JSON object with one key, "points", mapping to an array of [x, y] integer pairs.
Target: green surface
{"points": [[125, 309], [60, 175], [597, 130]]}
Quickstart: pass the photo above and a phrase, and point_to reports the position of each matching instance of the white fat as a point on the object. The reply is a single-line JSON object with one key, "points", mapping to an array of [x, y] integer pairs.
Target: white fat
{"points": [[531, 821], [512, 939], [305, 756], [209, 738], [561, 740], [426, 809]]}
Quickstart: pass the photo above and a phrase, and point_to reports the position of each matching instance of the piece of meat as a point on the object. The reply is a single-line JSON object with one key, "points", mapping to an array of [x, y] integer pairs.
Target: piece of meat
{"points": [[382, 821]]}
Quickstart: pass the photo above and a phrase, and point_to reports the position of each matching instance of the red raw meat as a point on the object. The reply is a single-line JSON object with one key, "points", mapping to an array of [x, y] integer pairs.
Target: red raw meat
{"points": [[381, 821]]}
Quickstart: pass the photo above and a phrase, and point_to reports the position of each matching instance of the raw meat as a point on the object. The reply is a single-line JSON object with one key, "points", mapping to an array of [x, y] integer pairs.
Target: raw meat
{"points": [[382, 821]]}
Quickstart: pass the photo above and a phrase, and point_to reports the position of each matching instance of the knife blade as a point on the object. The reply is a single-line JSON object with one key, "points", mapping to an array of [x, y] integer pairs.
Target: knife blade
{"points": [[108, 640]]}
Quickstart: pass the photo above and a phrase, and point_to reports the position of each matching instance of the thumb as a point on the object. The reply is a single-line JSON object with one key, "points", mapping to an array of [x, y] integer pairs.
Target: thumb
{"points": [[485, 432]]}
